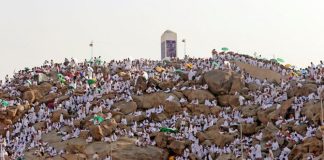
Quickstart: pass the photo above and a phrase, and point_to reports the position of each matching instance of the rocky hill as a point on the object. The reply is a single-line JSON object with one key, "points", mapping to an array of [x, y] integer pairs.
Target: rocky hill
{"points": [[182, 110]]}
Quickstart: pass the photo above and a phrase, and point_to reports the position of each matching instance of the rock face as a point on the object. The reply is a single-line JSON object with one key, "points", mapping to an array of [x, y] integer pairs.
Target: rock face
{"points": [[36, 92], [237, 84], [159, 117], [172, 107], [56, 115], [264, 115], [310, 145], [249, 129], [219, 82], [48, 98], [32, 96], [305, 90], [126, 107], [177, 147], [312, 112], [152, 100], [161, 140], [282, 111], [96, 132], [201, 95], [141, 83], [228, 100], [217, 138], [199, 109]]}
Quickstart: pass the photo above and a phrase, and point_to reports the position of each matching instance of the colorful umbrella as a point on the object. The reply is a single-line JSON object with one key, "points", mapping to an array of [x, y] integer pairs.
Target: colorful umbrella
{"points": [[99, 119], [4, 103], [215, 64], [280, 60], [224, 49], [169, 130], [189, 65], [288, 65], [274, 60], [159, 69], [91, 81]]}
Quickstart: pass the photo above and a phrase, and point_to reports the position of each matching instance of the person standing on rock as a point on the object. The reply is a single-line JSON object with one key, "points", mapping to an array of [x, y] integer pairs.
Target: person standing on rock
{"points": [[95, 156]]}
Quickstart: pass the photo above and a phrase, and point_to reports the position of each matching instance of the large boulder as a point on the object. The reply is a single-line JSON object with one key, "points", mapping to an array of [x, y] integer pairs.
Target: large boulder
{"points": [[96, 132], [48, 98], [43, 88], [148, 101], [201, 95], [141, 83], [177, 147], [263, 115], [237, 84], [215, 110], [107, 130], [249, 129], [219, 139], [312, 112], [159, 117], [305, 90], [172, 107], [282, 111], [76, 146], [56, 115], [310, 145], [166, 84], [269, 132], [12, 111], [40, 125], [228, 100], [126, 107], [219, 82], [32, 96], [198, 109], [161, 140], [249, 111], [35, 93]]}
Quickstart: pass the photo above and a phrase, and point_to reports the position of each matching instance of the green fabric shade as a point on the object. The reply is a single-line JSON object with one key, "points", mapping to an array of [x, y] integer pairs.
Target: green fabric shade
{"points": [[168, 130], [61, 78], [225, 49], [4, 103], [99, 119], [280, 60], [274, 60], [91, 81]]}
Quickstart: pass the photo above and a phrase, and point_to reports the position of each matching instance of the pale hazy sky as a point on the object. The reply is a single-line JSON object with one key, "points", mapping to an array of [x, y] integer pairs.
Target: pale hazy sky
{"points": [[32, 31]]}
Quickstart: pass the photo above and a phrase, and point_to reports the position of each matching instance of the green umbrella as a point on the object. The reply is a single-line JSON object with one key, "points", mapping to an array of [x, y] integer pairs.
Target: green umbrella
{"points": [[91, 81], [280, 60], [274, 60], [4, 103], [99, 119], [168, 130], [60, 75], [225, 49]]}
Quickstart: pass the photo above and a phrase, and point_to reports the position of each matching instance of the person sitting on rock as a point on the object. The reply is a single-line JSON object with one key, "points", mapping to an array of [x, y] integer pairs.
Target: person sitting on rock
{"points": [[89, 139]]}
